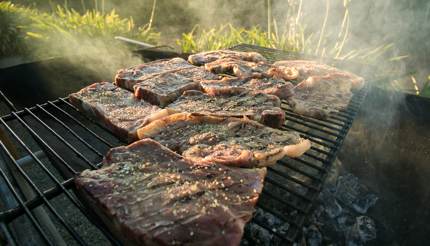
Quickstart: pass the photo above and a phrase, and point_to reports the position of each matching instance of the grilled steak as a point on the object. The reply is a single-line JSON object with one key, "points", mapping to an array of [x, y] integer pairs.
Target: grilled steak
{"points": [[229, 141], [308, 69], [164, 88], [127, 78], [278, 87], [317, 96], [260, 107], [238, 68], [210, 56], [148, 195], [116, 109], [321, 89]]}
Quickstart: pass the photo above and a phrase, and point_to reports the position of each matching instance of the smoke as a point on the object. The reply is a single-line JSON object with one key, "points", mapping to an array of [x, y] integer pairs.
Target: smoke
{"points": [[101, 56]]}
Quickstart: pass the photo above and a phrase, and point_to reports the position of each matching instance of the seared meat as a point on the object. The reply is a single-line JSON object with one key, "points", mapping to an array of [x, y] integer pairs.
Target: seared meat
{"points": [[308, 69], [317, 96], [321, 89], [229, 141], [127, 78], [210, 56], [238, 68], [148, 195], [272, 86], [116, 109], [260, 107], [164, 88]]}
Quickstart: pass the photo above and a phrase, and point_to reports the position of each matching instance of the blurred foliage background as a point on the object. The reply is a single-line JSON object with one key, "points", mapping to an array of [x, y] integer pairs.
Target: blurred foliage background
{"points": [[390, 33]]}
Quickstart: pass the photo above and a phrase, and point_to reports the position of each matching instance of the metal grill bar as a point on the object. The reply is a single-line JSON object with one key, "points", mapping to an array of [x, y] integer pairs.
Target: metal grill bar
{"points": [[290, 190], [45, 200], [7, 101]]}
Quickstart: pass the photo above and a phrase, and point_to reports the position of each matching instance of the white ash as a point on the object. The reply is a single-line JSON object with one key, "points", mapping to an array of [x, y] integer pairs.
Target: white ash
{"points": [[341, 214], [262, 236]]}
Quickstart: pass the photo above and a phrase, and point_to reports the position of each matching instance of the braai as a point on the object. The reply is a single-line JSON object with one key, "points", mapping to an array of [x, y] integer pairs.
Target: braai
{"points": [[278, 87], [148, 195], [260, 107], [307, 68], [164, 88], [229, 141], [127, 78], [321, 89], [238, 68], [210, 56], [116, 109]]}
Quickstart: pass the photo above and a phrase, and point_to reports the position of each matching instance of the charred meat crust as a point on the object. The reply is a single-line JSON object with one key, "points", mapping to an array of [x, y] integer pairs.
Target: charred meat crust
{"points": [[213, 215], [261, 107], [115, 109], [271, 86], [152, 97], [210, 149], [127, 78], [98, 116], [210, 56]]}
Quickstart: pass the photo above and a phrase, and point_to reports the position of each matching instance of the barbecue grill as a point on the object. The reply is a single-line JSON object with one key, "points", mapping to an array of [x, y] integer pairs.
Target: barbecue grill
{"points": [[51, 142]]}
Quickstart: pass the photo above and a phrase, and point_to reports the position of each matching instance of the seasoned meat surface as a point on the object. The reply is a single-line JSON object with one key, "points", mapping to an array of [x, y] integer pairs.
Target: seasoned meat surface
{"points": [[148, 195], [115, 108], [260, 107], [127, 78], [210, 56], [164, 88], [278, 87], [238, 68], [229, 141], [308, 69], [321, 89]]}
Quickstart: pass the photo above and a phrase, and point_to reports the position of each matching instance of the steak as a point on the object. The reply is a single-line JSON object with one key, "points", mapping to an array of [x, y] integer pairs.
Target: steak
{"points": [[164, 88], [318, 96], [127, 78], [116, 109], [210, 56], [278, 87], [238, 68], [149, 195], [321, 89], [308, 69], [260, 107], [228, 141]]}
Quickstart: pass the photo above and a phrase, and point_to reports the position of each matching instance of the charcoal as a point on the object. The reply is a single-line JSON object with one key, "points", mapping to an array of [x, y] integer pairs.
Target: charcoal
{"points": [[362, 231], [272, 221], [313, 236], [260, 235], [353, 194], [330, 205], [362, 204]]}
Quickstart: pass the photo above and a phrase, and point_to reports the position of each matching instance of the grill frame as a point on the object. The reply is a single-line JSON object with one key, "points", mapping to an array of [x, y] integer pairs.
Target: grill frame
{"points": [[326, 136]]}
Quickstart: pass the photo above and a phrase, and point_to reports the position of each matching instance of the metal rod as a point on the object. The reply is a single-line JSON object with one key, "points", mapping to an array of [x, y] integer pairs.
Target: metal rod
{"points": [[295, 169], [81, 125], [82, 157], [40, 140], [28, 159], [7, 101], [308, 133], [71, 131], [58, 238], [26, 210], [8, 236], [296, 180]]}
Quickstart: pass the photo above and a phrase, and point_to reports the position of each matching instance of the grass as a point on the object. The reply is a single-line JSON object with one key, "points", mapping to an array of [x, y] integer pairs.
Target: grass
{"points": [[29, 30], [294, 37], [91, 33]]}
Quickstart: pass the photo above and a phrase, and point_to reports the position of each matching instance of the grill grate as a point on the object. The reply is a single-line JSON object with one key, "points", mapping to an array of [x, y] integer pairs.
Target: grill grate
{"points": [[54, 142]]}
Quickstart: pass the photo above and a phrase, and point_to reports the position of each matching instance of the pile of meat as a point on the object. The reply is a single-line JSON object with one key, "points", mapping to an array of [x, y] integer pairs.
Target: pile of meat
{"points": [[202, 133]]}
